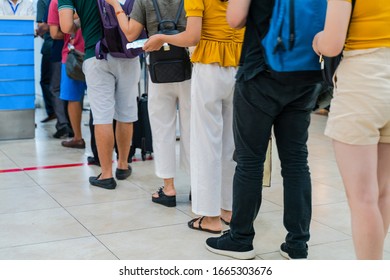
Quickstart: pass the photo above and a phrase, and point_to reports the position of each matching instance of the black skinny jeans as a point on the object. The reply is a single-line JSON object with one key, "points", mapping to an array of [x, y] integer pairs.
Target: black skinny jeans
{"points": [[260, 104]]}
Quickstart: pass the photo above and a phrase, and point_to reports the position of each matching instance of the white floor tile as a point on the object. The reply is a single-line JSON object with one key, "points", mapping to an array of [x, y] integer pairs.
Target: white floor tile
{"points": [[87, 248], [38, 226], [52, 212], [126, 215]]}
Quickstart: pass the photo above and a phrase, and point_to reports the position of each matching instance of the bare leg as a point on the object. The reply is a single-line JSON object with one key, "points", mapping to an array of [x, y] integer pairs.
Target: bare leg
{"points": [[123, 135], [169, 188], [384, 184], [74, 111], [358, 167], [226, 215], [104, 135]]}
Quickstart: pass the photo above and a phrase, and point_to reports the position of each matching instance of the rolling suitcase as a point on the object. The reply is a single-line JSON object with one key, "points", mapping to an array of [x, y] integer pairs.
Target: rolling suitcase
{"points": [[142, 134]]}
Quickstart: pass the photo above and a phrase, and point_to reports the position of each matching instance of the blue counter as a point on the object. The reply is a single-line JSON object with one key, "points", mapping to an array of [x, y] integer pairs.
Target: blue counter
{"points": [[17, 82]]}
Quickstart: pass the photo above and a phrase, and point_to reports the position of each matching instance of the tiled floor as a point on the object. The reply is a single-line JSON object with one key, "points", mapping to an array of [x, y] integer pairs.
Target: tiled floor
{"points": [[55, 213]]}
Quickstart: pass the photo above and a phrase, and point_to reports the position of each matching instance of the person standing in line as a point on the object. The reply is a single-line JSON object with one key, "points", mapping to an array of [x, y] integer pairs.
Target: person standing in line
{"points": [[359, 122], [163, 99], [46, 70], [71, 91], [16, 8], [215, 60], [62, 125], [260, 104], [112, 88]]}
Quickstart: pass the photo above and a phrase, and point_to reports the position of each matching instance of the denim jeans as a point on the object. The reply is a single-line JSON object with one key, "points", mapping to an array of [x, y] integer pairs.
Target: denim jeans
{"points": [[260, 104]]}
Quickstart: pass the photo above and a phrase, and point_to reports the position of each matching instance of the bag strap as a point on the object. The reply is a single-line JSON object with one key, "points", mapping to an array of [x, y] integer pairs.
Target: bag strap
{"points": [[159, 14], [179, 11], [291, 38], [126, 6], [353, 6]]}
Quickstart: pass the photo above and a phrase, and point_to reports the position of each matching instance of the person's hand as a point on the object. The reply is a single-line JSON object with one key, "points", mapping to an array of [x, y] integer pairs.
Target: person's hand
{"points": [[71, 39], [154, 43], [77, 24], [315, 42], [43, 27]]}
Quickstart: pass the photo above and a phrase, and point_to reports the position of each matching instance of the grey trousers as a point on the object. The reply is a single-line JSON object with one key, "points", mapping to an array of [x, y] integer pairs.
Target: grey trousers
{"points": [[60, 106]]}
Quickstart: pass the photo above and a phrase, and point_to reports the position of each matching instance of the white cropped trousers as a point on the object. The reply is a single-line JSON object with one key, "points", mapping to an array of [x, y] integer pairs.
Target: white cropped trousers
{"points": [[212, 144], [163, 102]]}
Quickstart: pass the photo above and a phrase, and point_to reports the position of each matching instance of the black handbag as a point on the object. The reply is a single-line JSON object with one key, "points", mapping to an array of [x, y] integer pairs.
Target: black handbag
{"points": [[74, 65], [170, 64], [328, 68]]}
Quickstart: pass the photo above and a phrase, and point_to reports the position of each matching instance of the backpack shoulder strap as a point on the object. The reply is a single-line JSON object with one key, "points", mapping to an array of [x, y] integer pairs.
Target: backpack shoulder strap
{"points": [[291, 39], [350, 18], [179, 11], [126, 6], [157, 10], [159, 14]]}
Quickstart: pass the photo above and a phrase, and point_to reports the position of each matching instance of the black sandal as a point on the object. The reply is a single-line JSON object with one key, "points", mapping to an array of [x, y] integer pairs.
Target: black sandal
{"points": [[163, 199], [192, 222], [225, 222]]}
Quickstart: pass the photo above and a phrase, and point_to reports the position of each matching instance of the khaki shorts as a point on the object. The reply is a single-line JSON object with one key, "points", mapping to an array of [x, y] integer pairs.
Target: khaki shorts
{"points": [[360, 109], [112, 88]]}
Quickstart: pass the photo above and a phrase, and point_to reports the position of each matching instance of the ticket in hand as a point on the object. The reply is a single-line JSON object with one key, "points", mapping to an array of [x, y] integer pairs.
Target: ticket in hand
{"points": [[140, 43], [136, 44]]}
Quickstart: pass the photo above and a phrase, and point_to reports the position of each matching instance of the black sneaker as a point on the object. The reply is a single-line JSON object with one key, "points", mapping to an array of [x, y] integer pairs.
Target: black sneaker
{"points": [[108, 184], [226, 246], [123, 174], [293, 254]]}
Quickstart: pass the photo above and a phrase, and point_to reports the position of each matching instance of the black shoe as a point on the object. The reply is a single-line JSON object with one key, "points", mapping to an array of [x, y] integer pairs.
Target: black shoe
{"points": [[123, 174], [293, 254], [49, 118], [163, 199], [93, 161], [63, 133], [226, 246], [108, 184]]}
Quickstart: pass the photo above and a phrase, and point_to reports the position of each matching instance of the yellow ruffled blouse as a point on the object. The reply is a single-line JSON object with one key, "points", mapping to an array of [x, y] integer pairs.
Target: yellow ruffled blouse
{"points": [[219, 43]]}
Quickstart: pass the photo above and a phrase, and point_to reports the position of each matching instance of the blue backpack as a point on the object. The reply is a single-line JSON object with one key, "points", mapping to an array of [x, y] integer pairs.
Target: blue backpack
{"points": [[114, 40], [288, 43]]}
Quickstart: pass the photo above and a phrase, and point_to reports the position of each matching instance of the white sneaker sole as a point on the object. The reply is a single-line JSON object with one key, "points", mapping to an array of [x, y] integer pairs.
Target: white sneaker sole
{"points": [[248, 255], [286, 256]]}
